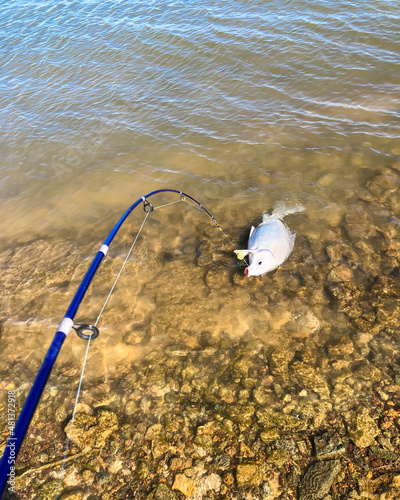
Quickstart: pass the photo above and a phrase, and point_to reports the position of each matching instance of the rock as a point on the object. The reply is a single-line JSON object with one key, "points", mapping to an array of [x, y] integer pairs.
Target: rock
{"points": [[383, 454], [318, 479], [92, 431], [279, 457], [212, 482], [342, 348], [328, 446], [270, 419], [163, 492], [340, 273], [72, 495], [222, 461], [180, 463], [362, 427], [159, 446], [279, 360], [184, 484], [307, 376], [268, 436], [248, 475], [384, 487]]}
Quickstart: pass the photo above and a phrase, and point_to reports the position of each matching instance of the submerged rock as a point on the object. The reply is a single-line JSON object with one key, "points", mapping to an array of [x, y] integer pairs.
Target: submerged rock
{"points": [[92, 431], [318, 479], [163, 492], [248, 475], [362, 427]]}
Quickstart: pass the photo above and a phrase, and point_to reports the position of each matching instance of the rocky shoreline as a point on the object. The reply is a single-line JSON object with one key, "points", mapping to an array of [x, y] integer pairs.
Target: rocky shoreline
{"points": [[286, 387]]}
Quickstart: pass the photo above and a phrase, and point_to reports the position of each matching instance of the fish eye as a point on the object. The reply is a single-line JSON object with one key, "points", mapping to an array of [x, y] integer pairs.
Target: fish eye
{"points": [[260, 263]]}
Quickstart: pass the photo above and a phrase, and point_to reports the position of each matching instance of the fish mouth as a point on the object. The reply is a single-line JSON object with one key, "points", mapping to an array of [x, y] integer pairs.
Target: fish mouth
{"points": [[247, 272]]}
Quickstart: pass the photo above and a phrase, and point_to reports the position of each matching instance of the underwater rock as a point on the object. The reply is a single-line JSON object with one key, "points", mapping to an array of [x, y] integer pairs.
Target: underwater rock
{"points": [[211, 483], [384, 487], [307, 377], [279, 360], [340, 273], [72, 495], [318, 479], [92, 431], [268, 436], [344, 347], [248, 475], [270, 419], [163, 492], [328, 446], [184, 484], [279, 457], [362, 427], [348, 296], [383, 454], [222, 461]]}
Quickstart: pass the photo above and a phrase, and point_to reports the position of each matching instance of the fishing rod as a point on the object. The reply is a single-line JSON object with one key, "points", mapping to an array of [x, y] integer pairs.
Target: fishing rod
{"points": [[17, 433]]}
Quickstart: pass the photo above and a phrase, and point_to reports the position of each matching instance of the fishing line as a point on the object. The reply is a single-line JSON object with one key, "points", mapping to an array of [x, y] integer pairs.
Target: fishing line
{"points": [[120, 271], [215, 222], [72, 421], [67, 324], [87, 351]]}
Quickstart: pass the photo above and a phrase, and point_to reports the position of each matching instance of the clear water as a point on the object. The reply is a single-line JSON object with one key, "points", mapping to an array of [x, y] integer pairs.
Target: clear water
{"points": [[101, 102], [240, 104]]}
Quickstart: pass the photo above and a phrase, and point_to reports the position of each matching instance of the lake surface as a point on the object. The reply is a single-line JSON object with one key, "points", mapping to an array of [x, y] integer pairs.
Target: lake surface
{"points": [[101, 102], [240, 105]]}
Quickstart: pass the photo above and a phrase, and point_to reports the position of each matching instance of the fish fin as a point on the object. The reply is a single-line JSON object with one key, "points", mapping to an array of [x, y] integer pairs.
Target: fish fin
{"points": [[252, 231]]}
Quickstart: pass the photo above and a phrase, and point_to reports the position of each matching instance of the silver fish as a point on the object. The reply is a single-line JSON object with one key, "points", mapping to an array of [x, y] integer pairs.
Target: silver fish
{"points": [[271, 243]]}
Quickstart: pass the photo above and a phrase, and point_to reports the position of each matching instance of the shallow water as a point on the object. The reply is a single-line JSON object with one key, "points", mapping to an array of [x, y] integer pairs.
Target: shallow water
{"points": [[240, 105]]}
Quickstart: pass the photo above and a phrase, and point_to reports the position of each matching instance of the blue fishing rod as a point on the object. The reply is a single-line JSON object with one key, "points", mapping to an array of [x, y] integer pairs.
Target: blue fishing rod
{"points": [[17, 433]]}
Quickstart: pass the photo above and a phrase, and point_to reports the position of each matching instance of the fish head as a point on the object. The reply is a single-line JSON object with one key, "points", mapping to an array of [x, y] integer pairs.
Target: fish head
{"points": [[260, 262]]}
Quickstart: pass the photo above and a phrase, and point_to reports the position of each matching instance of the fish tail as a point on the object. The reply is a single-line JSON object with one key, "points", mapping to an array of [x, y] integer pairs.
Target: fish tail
{"points": [[281, 210]]}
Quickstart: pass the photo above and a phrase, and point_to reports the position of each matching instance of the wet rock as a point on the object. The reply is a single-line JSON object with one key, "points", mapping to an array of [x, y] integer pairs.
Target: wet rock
{"points": [[384, 487], [248, 475], [92, 431], [383, 454], [163, 492], [343, 347], [362, 427], [328, 446], [279, 457], [272, 419], [206, 484], [340, 251], [184, 484], [142, 471], [268, 436], [279, 360], [340, 273], [307, 376], [222, 461], [159, 446], [180, 463], [348, 296], [359, 226], [73, 495], [241, 415], [48, 489], [318, 479]]}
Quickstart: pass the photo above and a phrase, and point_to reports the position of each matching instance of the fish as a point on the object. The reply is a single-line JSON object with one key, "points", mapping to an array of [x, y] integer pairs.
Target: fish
{"points": [[270, 243]]}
